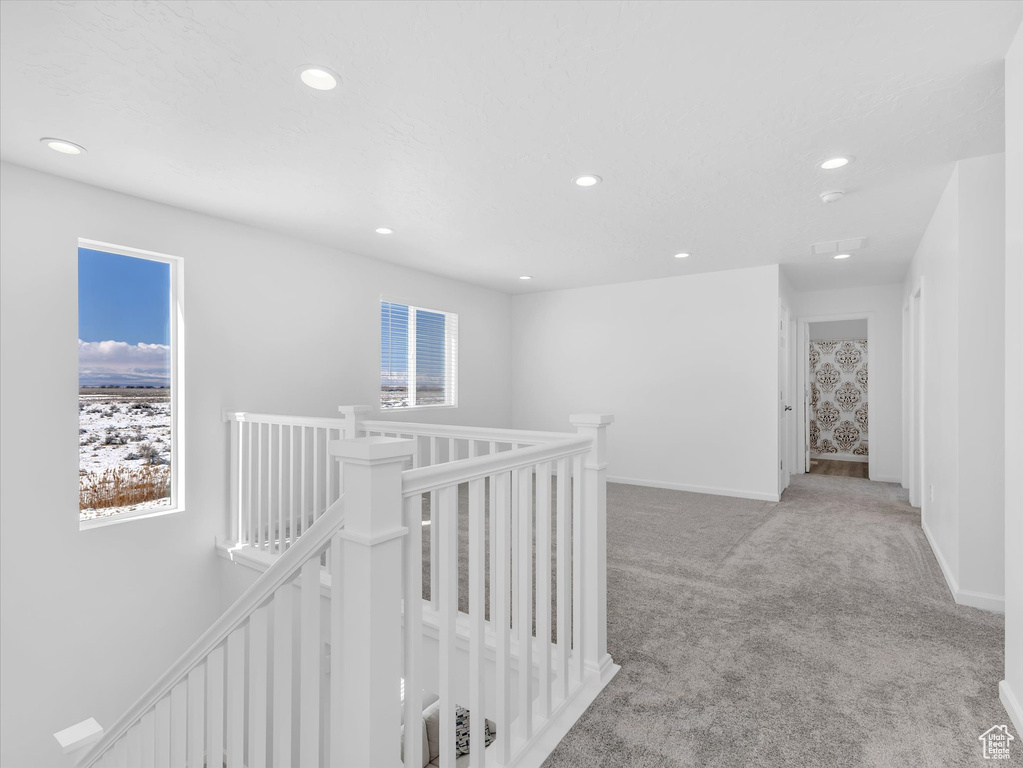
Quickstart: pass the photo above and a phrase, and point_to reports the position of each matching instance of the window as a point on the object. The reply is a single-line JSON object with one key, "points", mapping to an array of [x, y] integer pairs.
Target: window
{"points": [[418, 356], [130, 452]]}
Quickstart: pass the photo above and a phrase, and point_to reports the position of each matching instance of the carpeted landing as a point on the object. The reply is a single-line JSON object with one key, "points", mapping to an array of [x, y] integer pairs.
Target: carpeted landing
{"points": [[817, 631]]}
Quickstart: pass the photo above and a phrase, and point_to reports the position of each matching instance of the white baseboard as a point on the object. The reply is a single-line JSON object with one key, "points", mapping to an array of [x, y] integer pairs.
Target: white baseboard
{"points": [[1012, 705], [739, 494], [946, 570], [886, 479], [983, 600]]}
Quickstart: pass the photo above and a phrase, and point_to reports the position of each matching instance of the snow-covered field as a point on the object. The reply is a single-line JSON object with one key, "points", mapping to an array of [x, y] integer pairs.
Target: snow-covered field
{"points": [[123, 444]]}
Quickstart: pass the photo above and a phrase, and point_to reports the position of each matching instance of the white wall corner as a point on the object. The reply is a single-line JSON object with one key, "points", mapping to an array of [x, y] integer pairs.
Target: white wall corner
{"points": [[1012, 704]]}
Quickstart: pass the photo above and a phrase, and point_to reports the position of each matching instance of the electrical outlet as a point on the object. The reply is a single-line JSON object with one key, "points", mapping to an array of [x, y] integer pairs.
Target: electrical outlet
{"points": [[932, 493]]}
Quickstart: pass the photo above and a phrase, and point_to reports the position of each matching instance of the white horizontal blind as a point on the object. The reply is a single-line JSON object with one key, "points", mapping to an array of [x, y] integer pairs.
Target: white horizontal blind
{"points": [[418, 356]]}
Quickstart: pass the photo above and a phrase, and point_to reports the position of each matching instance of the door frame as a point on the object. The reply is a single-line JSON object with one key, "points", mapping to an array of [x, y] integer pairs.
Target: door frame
{"points": [[785, 398], [803, 367]]}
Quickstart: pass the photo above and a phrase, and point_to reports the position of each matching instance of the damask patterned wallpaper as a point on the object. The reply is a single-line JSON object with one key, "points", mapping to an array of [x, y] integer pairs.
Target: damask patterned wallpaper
{"points": [[838, 398]]}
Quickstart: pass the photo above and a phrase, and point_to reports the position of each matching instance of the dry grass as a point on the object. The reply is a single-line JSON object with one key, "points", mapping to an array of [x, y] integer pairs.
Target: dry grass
{"points": [[124, 486]]}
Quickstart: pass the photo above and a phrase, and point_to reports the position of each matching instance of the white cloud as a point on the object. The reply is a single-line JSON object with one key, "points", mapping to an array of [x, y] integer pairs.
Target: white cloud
{"points": [[117, 362]]}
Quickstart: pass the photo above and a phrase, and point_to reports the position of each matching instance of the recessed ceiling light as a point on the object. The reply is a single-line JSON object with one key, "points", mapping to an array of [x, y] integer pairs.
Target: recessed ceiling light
{"points": [[384, 231], [842, 255], [681, 255], [64, 147], [526, 277], [835, 162], [589, 180], [320, 78]]}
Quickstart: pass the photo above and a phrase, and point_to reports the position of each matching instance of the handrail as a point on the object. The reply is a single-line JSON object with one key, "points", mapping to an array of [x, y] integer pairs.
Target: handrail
{"points": [[467, 433], [288, 421], [439, 476], [275, 577]]}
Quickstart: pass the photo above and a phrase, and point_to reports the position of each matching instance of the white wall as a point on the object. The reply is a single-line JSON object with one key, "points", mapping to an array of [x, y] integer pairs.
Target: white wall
{"points": [[839, 329], [884, 305], [935, 268], [1012, 686], [687, 365], [981, 374], [959, 264], [273, 324]]}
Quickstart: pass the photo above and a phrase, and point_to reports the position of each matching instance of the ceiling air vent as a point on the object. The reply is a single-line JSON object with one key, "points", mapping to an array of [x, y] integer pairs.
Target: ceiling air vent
{"points": [[835, 246]]}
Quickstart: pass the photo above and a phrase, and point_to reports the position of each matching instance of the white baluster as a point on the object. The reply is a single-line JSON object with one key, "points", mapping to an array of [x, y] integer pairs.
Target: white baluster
{"points": [[147, 735], [292, 530], [133, 748], [316, 470], [524, 609], [179, 725], [434, 459], [196, 717], [577, 567], [235, 728], [161, 726], [235, 482], [309, 680], [280, 488], [215, 706], [477, 606], [563, 548], [258, 659], [413, 602], [447, 533], [337, 610], [119, 754], [283, 605], [259, 486], [543, 585], [492, 492], [302, 503], [515, 548], [500, 619], [250, 511]]}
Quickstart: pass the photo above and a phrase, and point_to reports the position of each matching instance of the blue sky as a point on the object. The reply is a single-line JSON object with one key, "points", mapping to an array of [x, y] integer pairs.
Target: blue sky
{"points": [[122, 298], [430, 341], [123, 320]]}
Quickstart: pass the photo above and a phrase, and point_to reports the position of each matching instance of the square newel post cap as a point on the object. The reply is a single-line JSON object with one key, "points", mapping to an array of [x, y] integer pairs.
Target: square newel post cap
{"points": [[591, 419], [372, 450], [354, 410]]}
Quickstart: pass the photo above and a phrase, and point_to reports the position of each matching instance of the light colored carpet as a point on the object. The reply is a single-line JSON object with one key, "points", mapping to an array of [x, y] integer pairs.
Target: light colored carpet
{"points": [[813, 632]]}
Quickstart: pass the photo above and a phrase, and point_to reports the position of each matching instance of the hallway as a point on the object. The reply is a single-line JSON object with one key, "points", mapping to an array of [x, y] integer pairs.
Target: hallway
{"points": [[817, 631]]}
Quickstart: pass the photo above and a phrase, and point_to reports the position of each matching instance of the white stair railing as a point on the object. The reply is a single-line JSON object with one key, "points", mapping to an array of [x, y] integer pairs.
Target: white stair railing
{"points": [[230, 698], [282, 476], [261, 687]]}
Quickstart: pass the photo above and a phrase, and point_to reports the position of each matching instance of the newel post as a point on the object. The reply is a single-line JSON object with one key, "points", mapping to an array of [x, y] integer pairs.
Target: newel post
{"points": [[353, 416], [366, 725], [594, 537]]}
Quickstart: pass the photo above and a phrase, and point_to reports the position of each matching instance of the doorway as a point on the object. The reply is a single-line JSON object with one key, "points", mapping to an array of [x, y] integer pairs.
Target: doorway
{"points": [[835, 381]]}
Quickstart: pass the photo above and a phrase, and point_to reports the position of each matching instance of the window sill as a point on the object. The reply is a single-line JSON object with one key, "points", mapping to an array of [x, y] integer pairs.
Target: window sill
{"points": [[404, 408], [124, 517]]}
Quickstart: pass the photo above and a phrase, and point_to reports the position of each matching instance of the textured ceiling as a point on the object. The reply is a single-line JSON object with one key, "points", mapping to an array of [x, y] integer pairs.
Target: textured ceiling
{"points": [[461, 125]]}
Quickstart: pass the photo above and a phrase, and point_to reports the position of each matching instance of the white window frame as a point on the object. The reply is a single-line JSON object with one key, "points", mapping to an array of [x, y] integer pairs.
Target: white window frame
{"points": [[177, 383], [451, 355]]}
